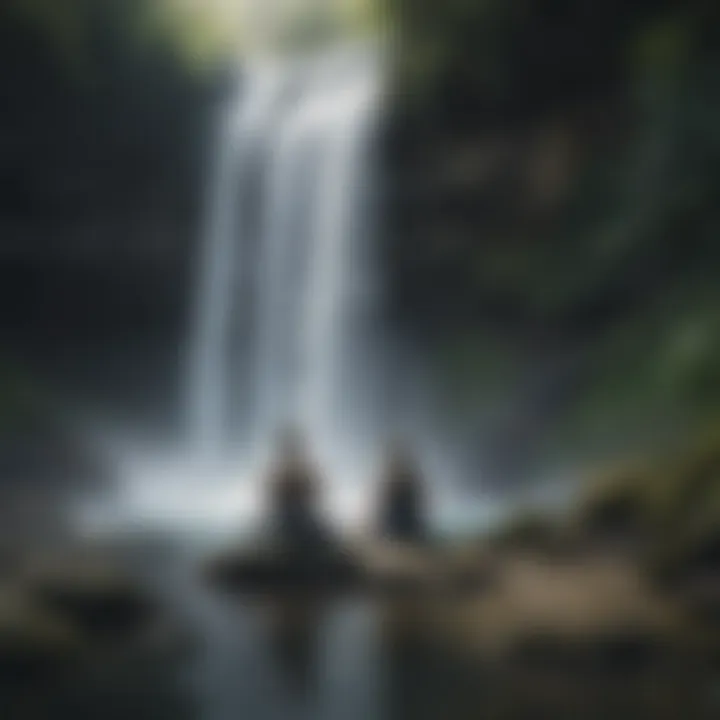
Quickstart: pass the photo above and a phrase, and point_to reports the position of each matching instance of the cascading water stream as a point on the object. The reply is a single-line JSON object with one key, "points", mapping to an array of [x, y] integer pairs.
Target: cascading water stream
{"points": [[327, 297], [242, 123], [312, 126]]}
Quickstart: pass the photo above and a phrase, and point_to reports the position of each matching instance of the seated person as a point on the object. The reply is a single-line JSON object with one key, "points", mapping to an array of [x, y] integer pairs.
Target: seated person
{"points": [[294, 487], [402, 501]]}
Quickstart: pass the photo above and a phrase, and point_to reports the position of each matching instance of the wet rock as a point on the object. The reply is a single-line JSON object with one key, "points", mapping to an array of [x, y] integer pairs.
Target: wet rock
{"points": [[296, 550], [531, 532], [471, 570], [278, 569], [591, 612], [400, 570], [101, 602], [615, 514], [692, 575], [35, 644], [618, 650]]}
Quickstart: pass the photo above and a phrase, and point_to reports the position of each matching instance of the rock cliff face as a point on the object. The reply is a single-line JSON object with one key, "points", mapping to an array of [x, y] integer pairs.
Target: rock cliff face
{"points": [[101, 165], [43, 463], [540, 248], [102, 154]]}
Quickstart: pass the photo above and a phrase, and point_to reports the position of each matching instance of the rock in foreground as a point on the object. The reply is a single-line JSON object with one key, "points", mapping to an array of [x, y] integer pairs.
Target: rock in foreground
{"points": [[100, 602], [274, 568], [34, 643]]}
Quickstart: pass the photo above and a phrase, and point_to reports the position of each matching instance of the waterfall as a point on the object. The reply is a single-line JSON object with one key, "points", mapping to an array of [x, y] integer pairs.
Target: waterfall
{"points": [[288, 322], [286, 247]]}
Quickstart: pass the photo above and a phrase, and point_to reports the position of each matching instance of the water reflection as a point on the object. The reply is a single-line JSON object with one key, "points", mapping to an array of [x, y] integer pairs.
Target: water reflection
{"points": [[293, 658], [294, 634], [124, 688], [422, 680]]}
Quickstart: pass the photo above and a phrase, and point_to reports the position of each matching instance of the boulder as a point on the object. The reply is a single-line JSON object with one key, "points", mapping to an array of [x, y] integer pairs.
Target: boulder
{"points": [[35, 644], [279, 568], [101, 602]]}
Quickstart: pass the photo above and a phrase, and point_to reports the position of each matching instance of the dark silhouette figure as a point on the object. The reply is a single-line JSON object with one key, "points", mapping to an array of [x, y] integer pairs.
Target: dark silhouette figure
{"points": [[294, 488], [296, 553], [402, 501]]}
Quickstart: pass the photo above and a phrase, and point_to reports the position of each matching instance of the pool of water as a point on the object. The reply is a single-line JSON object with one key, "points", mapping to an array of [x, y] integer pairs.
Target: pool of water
{"points": [[291, 660]]}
